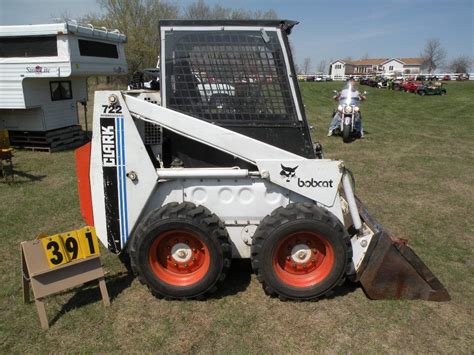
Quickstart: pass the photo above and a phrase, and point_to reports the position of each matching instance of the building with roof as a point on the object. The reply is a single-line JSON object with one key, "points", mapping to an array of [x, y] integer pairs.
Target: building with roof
{"points": [[375, 66]]}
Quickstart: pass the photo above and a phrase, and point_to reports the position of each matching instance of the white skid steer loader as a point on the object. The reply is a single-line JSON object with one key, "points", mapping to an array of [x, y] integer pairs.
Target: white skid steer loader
{"points": [[213, 173]]}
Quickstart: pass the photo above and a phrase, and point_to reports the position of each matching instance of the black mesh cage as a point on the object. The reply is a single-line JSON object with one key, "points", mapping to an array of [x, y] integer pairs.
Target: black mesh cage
{"points": [[229, 77]]}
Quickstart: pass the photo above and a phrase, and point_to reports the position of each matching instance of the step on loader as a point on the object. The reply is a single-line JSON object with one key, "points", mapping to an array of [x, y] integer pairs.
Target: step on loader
{"points": [[224, 167]]}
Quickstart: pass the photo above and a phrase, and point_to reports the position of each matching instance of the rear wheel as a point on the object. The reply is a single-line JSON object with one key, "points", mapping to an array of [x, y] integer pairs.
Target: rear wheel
{"points": [[181, 251], [346, 133], [300, 252]]}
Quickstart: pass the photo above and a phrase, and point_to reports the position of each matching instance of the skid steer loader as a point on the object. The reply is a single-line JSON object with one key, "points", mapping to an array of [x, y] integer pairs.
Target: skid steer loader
{"points": [[224, 168]]}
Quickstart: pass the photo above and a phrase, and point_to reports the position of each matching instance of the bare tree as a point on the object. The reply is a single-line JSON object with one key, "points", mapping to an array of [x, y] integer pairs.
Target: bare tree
{"points": [[298, 69], [322, 66], [434, 55], [200, 10], [461, 64], [365, 56], [306, 67]]}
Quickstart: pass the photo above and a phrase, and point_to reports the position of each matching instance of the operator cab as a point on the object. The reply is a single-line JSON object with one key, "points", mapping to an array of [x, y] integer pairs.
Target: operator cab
{"points": [[235, 74]]}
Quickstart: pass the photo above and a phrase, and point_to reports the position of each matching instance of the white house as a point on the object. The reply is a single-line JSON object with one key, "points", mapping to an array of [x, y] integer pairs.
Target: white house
{"points": [[402, 66], [43, 72], [337, 69], [375, 66]]}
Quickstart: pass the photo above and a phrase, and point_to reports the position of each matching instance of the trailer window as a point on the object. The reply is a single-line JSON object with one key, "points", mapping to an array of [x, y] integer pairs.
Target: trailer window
{"points": [[28, 46], [60, 90], [97, 49], [228, 76]]}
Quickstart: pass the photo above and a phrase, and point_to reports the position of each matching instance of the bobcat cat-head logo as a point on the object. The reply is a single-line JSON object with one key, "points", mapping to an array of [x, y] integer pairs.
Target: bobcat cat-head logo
{"points": [[288, 172]]}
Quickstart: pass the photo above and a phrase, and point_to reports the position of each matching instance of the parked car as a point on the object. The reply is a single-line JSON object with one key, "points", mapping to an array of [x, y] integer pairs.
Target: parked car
{"points": [[364, 80], [433, 78], [410, 86], [421, 78], [431, 89], [397, 84], [310, 78], [462, 77], [446, 78]]}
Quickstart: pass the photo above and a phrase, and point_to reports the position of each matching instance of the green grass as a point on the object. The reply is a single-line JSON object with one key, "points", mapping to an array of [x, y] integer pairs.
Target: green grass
{"points": [[414, 171]]}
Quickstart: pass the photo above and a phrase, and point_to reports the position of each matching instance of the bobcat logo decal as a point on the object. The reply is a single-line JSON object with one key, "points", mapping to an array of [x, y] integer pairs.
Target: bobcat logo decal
{"points": [[287, 172]]}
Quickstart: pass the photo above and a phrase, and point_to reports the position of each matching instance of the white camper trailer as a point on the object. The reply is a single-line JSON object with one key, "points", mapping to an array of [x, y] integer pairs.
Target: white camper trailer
{"points": [[43, 76]]}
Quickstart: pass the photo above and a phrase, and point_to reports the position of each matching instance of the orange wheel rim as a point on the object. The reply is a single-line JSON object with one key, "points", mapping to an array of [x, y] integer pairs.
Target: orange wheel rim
{"points": [[303, 259], [179, 258]]}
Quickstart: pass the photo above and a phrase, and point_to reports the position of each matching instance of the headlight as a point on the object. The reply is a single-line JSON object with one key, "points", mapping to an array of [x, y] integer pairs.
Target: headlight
{"points": [[356, 109], [339, 108], [347, 109]]}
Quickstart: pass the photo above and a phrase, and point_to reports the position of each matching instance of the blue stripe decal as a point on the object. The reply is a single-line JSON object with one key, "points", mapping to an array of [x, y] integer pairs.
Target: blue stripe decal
{"points": [[119, 178], [124, 184]]}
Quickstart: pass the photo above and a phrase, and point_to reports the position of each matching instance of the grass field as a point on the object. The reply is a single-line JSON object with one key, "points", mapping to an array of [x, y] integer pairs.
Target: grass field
{"points": [[414, 171]]}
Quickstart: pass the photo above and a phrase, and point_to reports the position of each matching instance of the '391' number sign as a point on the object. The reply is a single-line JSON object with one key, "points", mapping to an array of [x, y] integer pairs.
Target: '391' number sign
{"points": [[65, 247]]}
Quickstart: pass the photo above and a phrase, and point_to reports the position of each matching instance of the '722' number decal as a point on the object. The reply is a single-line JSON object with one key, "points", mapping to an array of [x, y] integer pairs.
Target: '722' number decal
{"points": [[112, 109]]}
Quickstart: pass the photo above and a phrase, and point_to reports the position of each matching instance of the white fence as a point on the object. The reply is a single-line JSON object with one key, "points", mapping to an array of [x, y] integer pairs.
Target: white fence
{"points": [[440, 76]]}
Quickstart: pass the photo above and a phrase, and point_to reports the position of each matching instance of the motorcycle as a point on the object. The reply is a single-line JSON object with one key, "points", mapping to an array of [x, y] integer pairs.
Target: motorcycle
{"points": [[348, 111]]}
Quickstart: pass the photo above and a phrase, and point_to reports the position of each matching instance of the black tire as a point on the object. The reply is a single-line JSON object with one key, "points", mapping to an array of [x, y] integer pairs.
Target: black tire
{"points": [[285, 222], [421, 93], [346, 133], [402, 90], [195, 221]]}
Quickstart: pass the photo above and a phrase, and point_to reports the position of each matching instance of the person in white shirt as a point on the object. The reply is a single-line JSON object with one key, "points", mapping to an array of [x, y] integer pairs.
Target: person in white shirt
{"points": [[349, 91]]}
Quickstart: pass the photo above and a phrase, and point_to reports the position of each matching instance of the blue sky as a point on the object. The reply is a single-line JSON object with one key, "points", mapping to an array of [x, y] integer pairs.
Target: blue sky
{"points": [[327, 29]]}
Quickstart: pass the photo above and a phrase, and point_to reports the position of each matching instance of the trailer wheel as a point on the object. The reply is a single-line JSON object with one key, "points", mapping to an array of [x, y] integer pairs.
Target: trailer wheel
{"points": [[181, 251], [300, 252]]}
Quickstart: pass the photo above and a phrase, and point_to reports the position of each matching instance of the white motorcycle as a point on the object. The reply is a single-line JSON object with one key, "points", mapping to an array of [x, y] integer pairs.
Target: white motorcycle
{"points": [[348, 111]]}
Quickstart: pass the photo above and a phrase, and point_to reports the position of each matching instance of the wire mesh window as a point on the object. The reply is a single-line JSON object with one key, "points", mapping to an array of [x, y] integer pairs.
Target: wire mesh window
{"points": [[228, 76]]}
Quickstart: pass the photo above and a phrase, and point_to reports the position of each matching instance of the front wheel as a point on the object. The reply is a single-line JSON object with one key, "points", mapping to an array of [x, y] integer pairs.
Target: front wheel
{"points": [[300, 252], [181, 251], [346, 133]]}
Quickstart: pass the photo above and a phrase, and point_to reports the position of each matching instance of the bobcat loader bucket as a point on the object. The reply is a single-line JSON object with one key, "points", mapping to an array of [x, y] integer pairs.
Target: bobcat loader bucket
{"points": [[392, 270]]}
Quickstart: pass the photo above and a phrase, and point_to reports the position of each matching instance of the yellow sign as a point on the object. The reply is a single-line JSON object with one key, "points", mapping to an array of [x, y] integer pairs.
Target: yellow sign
{"points": [[89, 242], [54, 249], [66, 247]]}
